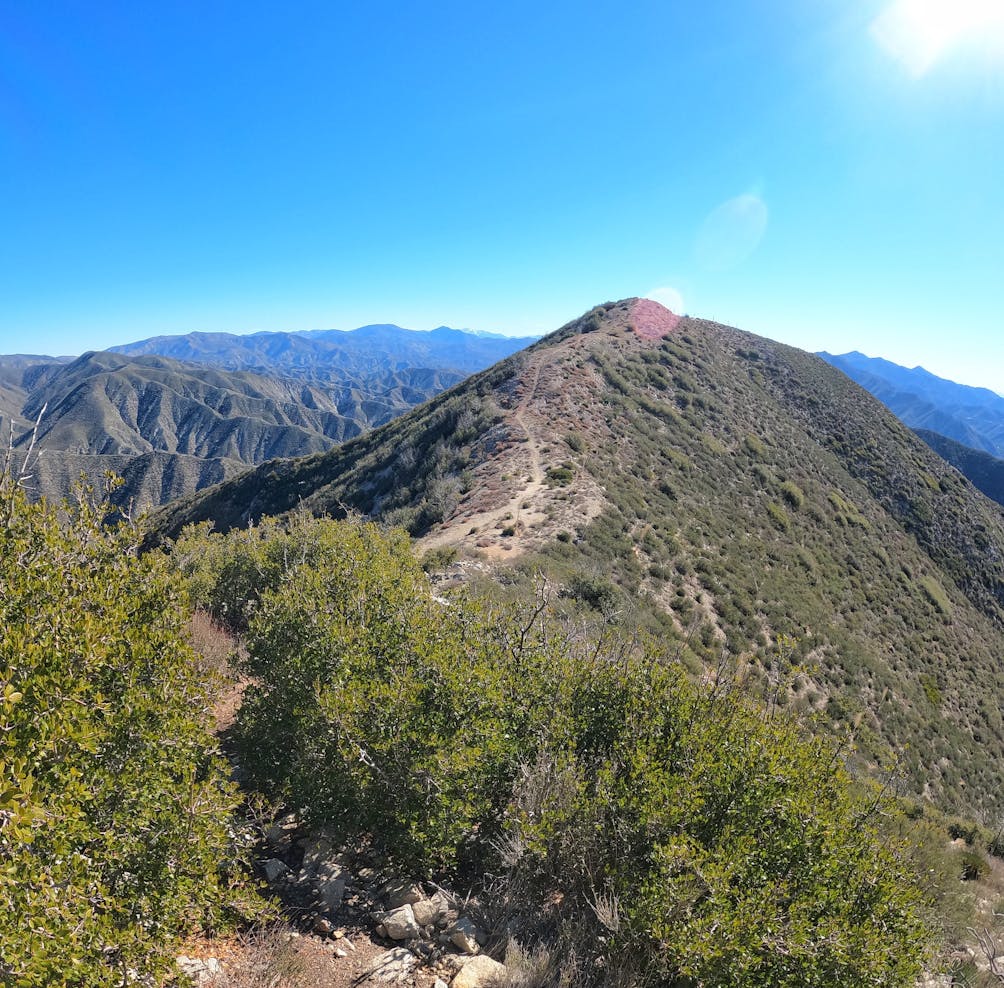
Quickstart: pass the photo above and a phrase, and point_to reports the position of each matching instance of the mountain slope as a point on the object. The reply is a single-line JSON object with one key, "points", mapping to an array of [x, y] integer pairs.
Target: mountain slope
{"points": [[170, 428], [984, 471], [325, 355], [971, 416], [748, 498]]}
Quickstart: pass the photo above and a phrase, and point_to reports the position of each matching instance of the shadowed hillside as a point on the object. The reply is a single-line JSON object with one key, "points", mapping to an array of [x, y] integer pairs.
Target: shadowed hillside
{"points": [[743, 495], [984, 471]]}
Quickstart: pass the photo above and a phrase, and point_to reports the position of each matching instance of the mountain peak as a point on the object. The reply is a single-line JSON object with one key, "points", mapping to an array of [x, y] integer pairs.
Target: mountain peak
{"points": [[651, 319], [747, 492]]}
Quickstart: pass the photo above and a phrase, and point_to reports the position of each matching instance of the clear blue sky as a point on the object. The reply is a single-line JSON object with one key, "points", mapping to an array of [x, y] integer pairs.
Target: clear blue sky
{"points": [[828, 173]]}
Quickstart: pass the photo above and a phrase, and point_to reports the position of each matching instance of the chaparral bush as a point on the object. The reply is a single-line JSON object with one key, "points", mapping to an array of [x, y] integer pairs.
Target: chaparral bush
{"points": [[115, 811], [635, 827]]}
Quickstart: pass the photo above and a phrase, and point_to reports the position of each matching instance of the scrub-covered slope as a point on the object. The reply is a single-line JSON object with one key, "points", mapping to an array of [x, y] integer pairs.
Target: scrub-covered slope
{"points": [[755, 500]]}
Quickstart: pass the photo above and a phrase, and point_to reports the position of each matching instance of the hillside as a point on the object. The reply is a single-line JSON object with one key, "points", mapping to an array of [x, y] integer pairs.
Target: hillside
{"points": [[736, 493], [173, 414], [971, 416], [984, 471], [170, 428]]}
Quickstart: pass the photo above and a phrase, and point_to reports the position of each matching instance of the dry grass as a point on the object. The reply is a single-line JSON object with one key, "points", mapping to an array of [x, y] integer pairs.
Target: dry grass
{"points": [[268, 958], [218, 654]]}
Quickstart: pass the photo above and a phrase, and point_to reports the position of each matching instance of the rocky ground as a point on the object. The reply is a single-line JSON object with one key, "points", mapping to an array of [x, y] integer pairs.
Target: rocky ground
{"points": [[348, 923]]}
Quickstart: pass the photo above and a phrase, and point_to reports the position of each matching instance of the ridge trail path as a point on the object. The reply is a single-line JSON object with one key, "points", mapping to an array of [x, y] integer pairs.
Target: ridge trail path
{"points": [[536, 469], [458, 529]]}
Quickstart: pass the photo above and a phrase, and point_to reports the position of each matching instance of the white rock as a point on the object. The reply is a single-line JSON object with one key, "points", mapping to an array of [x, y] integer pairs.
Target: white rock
{"points": [[464, 935], [319, 851], [393, 965], [429, 911], [440, 983], [331, 882], [200, 971], [479, 972], [281, 832], [401, 892], [400, 924]]}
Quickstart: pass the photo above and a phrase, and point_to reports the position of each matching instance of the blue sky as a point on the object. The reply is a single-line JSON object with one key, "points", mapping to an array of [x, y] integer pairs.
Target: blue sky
{"points": [[825, 173]]}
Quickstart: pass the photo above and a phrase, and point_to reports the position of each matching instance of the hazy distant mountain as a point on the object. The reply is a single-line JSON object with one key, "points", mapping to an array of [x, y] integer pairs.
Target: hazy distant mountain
{"points": [[971, 416], [723, 488], [174, 414], [330, 354]]}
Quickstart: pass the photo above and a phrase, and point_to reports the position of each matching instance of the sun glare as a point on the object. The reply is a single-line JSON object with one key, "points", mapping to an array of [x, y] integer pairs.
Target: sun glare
{"points": [[919, 33]]}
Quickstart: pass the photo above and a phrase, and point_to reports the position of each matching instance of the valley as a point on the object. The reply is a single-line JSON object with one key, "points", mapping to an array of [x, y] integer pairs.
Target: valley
{"points": [[170, 426]]}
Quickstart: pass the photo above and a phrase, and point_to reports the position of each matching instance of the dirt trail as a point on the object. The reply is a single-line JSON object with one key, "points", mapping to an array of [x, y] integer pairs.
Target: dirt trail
{"points": [[486, 521], [534, 445]]}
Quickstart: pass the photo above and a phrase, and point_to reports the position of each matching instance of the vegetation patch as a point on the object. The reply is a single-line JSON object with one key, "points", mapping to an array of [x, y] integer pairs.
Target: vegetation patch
{"points": [[116, 827], [604, 788], [560, 476]]}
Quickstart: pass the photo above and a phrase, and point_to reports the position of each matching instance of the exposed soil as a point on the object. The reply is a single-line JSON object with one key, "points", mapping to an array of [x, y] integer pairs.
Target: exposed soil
{"points": [[513, 506]]}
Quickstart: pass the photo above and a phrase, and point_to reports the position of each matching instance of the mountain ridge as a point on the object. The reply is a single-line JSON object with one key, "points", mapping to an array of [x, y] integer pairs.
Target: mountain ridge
{"points": [[729, 491], [969, 415], [152, 418], [378, 347]]}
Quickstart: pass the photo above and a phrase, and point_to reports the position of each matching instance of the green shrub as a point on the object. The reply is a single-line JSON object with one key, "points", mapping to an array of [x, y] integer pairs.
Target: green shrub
{"points": [[973, 866], [959, 829], [115, 808], [560, 476], [436, 560], [935, 593], [930, 687], [778, 516], [595, 591], [669, 833], [793, 494]]}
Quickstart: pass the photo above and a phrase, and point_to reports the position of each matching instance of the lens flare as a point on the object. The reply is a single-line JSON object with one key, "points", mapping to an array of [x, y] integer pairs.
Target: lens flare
{"points": [[919, 33], [730, 233]]}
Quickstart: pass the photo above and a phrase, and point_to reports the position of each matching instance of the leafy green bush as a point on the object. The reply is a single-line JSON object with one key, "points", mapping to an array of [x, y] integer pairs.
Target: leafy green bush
{"points": [[439, 559], [973, 865], [596, 592], [793, 494], [739, 854], [115, 809], [778, 516], [651, 831], [560, 476]]}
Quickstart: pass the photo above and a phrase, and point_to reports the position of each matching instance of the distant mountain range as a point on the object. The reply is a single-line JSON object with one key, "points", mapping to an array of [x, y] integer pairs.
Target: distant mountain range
{"points": [[331, 354], [173, 414], [741, 497], [971, 416]]}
